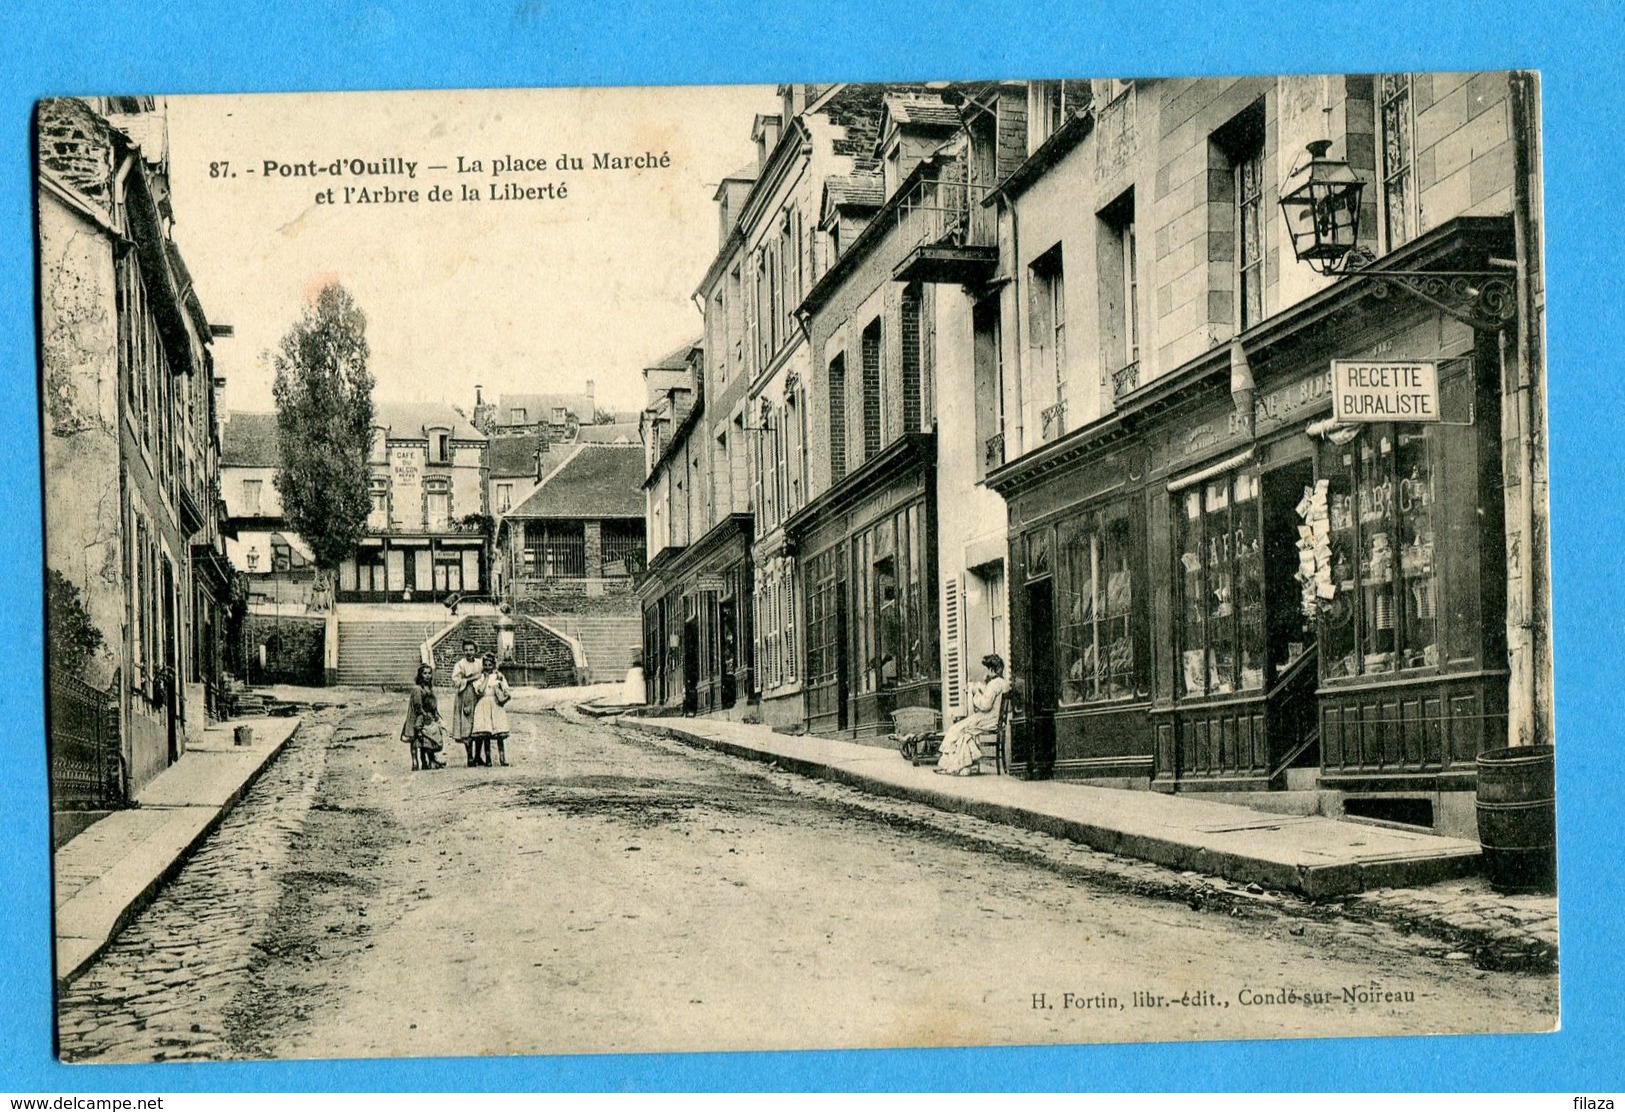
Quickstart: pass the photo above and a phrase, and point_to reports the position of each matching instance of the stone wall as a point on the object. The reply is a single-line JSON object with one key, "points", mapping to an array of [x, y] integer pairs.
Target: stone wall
{"points": [[294, 649]]}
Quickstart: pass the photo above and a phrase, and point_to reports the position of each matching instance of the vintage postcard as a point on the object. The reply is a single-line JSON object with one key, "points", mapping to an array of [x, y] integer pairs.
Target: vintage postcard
{"points": [[750, 568]]}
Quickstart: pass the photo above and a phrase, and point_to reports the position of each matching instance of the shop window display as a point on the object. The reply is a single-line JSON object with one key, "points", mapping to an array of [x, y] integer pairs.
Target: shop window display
{"points": [[1383, 616], [1221, 574], [1095, 634]]}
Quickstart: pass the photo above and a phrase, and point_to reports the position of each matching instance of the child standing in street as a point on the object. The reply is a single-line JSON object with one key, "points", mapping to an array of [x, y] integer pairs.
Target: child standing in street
{"points": [[490, 717]]}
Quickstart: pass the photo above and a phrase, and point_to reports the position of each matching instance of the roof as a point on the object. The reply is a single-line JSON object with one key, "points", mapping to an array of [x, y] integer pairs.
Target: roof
{"points": [[865, 190], [921, 110], [511, 456], [677, 358], [249, 440], [593, 481], [539, 407], [618, 433], [408, 420]]}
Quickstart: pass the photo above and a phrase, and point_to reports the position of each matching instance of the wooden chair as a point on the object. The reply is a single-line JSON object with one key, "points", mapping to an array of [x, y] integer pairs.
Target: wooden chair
{"points": [[998, 736]]}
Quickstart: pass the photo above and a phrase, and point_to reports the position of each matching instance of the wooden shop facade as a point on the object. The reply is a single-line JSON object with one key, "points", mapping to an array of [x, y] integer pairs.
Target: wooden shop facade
{"points": [[1220, 587]]}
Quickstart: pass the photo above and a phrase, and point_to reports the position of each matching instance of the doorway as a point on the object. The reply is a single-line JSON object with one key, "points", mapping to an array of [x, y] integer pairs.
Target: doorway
{"points": [[1289, 635], [1042, 685], [728, 635], [691, 666]]}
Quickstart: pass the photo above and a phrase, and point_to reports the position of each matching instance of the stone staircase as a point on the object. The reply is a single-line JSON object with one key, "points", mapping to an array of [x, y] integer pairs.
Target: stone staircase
{"points": [[609, 641], [382, 654]]}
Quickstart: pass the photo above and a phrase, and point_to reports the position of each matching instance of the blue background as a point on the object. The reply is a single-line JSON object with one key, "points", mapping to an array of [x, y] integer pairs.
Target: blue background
{"points": [[66, 47]]}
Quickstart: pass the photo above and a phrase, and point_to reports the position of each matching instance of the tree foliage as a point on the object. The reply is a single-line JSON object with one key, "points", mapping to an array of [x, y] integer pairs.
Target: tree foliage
{"points": [[74, 636], [324, 414]]}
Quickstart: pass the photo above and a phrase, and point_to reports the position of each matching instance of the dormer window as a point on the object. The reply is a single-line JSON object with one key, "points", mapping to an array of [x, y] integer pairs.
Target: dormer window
{"points": [[516, 416], [558, 415], [439, 445]]}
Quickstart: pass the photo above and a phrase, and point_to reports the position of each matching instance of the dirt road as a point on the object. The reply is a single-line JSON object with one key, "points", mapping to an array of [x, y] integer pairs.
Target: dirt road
{"points": [[613, 893]]}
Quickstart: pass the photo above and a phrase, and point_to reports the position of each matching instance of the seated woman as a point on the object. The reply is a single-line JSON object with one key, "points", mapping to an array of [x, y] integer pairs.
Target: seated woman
{"points": [[961, 755]]}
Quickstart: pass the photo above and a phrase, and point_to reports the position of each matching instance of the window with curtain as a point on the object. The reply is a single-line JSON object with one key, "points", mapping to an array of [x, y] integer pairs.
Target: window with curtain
{"points": [[1094, 602]]}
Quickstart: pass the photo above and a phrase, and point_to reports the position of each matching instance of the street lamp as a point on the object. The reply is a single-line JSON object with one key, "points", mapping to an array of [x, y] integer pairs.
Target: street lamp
{"points": [[1321, 203]]}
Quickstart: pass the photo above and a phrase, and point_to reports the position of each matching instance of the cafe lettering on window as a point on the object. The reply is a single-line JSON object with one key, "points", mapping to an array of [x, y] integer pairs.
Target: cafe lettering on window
{"points": [[1385, 391]]}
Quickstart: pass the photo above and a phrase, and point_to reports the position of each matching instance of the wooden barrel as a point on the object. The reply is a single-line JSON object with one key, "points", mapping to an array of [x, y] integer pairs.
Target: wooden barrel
{"points": [[1517, 818]]}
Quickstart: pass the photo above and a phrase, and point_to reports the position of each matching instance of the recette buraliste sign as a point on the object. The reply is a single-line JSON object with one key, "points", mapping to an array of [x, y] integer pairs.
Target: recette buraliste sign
{"points": [[1385, 390]]}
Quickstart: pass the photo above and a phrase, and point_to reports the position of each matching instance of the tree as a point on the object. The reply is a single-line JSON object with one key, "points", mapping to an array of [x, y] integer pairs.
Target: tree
{"points": [[75, 640], [604, 417], [324, 418]]}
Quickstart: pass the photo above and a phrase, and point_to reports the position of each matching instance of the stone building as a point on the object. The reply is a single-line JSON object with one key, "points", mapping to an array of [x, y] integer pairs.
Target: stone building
{"points": [[1214, 583], [131, 451], [428, 534]]}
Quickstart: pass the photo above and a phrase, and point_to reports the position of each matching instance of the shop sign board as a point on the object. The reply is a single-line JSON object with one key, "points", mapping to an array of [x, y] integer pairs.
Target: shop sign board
{"points": [[1385, 390]]}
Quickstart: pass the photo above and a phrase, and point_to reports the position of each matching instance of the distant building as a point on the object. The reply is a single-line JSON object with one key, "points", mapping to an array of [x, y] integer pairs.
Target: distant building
{"points": [[559, 413], [427, 534], [579, 532]]}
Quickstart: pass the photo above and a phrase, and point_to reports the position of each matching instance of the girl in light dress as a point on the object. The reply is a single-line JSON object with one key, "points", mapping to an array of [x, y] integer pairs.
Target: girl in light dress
{"points": [[490, 718]]}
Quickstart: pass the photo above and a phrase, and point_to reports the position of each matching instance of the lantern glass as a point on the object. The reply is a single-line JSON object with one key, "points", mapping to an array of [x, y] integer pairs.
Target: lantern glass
{"points": [[1321, 205]]}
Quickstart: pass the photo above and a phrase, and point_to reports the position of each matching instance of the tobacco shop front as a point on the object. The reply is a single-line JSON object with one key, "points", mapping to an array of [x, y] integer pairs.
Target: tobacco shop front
{"points": [[1225, 587]]}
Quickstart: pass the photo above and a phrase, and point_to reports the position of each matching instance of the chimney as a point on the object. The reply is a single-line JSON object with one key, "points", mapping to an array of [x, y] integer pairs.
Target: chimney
{"points": [[479, 399], [589, 388]]}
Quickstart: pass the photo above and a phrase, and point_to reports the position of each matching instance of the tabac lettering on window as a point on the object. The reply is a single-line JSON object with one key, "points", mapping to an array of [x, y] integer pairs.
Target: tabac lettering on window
{"points": [[1385, 391]]}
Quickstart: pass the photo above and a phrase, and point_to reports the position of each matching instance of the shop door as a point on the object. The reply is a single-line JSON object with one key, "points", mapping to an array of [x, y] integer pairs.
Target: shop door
{"points": [[729, 636], [1292, 678], [1042, 686], [691, 665]]}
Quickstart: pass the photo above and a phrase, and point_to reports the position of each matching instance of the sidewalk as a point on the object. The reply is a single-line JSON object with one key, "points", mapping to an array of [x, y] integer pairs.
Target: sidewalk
{"points": [[108, 873], [1414, 882], [1312, 856]]}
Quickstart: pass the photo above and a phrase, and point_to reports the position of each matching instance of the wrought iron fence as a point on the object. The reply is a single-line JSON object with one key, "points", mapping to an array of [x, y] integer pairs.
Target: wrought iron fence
{"points": [[86, 773], [1054, 418]]}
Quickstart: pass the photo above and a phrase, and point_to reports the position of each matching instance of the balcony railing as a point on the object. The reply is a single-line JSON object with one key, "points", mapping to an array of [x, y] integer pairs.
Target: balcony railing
{"points": [[941, 217], [993, 451], [1054, 419], [1125, 380]]}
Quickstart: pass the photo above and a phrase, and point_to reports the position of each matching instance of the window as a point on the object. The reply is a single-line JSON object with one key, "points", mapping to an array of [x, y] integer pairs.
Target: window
{"points": [[560, 415], [1118, 258], [1048, 319], [1051, 104], [516, 416], [889, 605], [787, 628], [987, 353], [1239, 147], [1397, 149], [1094, 603], [378, 492], [252, 489], [837, 418], [873, 427], [555, 549], [504, 497], [439, 445], [1381, 497], [1221, 577], [437, 504], [823, 588]]}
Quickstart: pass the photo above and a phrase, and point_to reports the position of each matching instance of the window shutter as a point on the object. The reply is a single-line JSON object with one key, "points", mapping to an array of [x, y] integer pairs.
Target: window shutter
{"points": [[951, 649]]}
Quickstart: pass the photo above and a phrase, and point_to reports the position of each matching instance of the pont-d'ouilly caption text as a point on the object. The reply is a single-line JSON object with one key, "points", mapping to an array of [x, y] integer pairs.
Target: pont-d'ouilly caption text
{"points": [[394, 180]]}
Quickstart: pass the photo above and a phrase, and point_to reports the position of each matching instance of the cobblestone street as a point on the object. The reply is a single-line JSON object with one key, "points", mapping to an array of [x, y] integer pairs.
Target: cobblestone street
{"points": [[612, 892]]}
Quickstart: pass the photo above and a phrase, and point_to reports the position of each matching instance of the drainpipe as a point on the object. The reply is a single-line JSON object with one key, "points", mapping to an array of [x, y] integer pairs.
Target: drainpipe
{"points": [[1525, 726]]}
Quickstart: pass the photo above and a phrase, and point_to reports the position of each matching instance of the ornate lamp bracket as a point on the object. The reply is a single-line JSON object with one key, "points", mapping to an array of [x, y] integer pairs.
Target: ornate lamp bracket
{"points": [[1483, 299]]}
